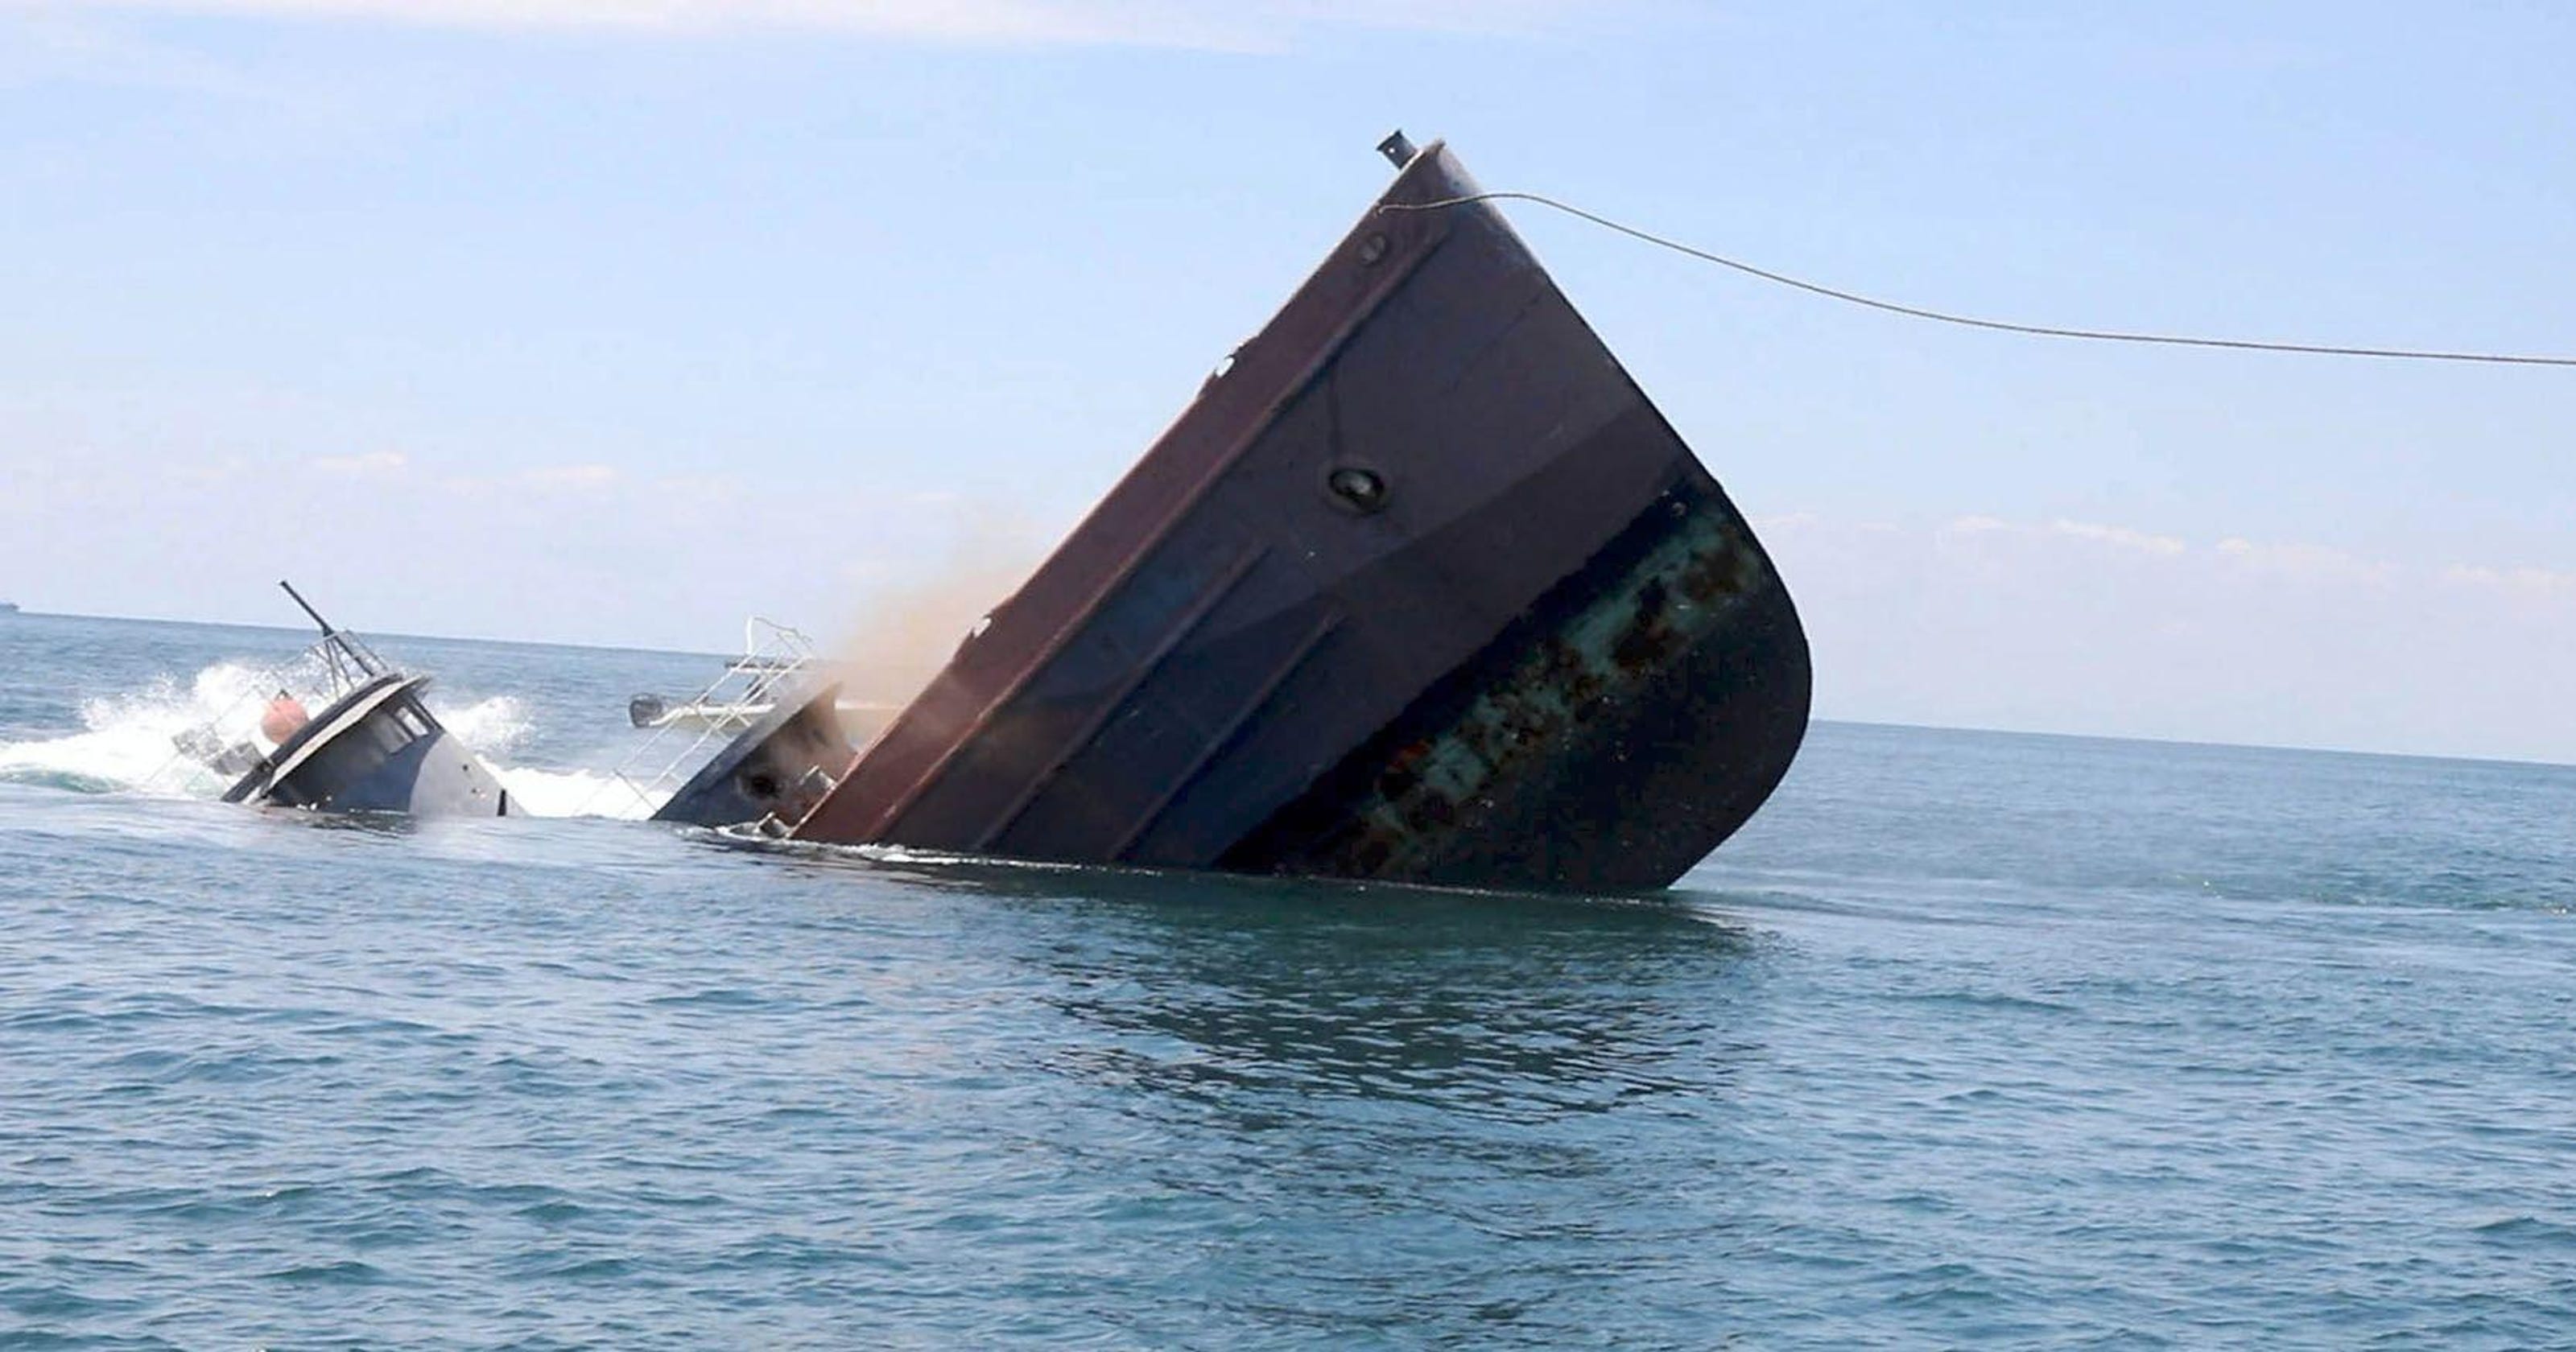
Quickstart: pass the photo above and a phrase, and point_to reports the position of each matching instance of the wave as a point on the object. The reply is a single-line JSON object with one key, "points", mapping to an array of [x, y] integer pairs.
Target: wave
{"points": [[575, 793], [125, 742], [126, 746]]}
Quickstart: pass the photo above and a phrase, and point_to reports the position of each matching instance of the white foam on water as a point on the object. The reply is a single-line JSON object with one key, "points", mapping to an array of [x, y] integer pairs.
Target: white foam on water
{"points": [[125, 742], [575, 793], [126, 745], [493, 727]]}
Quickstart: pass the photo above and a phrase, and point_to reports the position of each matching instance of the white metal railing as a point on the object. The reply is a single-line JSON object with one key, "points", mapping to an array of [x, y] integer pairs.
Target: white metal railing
{"points": [[773, 654]]}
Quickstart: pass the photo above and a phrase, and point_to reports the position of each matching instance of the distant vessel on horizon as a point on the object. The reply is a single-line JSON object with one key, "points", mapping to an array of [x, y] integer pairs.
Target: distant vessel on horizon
{"points": [[8, 607]]}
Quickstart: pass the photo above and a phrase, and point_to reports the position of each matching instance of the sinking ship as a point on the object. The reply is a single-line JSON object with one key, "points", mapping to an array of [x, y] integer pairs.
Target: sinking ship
{"points": [[365, 742], [777, 771], [777, 663], [780, 731], [1420, 587]]}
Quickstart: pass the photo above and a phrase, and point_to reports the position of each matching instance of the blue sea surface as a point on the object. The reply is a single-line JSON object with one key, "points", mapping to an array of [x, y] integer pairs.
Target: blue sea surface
{"points": [[1968, 1040]]}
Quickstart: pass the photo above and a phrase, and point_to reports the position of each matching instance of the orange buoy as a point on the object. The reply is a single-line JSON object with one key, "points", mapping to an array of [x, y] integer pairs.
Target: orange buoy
{"points": [[283, 718]]}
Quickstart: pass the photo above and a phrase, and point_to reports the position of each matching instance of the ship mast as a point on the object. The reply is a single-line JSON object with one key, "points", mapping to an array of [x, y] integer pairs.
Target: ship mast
{"points": [[343, 652]]}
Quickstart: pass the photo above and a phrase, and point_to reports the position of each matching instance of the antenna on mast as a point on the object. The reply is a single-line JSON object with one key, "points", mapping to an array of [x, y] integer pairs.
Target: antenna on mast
{"points": [[337, 648]]}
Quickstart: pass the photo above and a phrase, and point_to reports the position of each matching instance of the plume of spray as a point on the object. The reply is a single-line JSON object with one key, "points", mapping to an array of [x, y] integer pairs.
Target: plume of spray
{"points": [[126, 740]]}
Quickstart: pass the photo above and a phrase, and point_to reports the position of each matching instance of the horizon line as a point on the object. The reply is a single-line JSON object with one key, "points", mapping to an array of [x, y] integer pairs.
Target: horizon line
{"points": [[2205, 743]]}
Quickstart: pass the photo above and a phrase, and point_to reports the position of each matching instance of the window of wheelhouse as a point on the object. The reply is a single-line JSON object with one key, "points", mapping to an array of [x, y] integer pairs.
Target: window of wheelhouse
{"points": [[397, 725]]}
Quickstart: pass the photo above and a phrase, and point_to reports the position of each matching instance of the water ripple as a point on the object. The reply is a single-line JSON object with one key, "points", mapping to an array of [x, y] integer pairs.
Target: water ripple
{"points": [[1969, 1041]]}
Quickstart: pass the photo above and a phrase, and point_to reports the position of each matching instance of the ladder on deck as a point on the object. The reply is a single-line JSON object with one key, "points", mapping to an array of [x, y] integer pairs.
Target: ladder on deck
{"points": [[773, 655]]}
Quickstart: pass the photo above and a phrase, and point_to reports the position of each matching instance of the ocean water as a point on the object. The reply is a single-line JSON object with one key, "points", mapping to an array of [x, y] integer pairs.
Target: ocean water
{"points": [[1968, 1040]]}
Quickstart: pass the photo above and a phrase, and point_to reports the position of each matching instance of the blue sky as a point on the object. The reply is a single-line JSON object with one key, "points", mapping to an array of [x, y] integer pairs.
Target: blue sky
{"points": [[606, 321]]}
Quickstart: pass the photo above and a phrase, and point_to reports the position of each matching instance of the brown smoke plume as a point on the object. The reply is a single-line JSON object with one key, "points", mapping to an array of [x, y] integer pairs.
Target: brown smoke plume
{"points": [[905, 631]]}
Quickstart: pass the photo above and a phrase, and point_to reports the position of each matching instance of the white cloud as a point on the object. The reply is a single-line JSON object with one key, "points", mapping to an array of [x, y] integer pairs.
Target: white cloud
{"points": [[2524, 584], [364, 465], [706, 489], [211, 472], [2120, 536], [1173, 23], [41, 41], [2323, 562], [569, 476]]}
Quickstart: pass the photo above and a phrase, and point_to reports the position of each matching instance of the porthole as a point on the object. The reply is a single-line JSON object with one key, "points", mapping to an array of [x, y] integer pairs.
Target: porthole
{"points": [[1356, 488]]}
